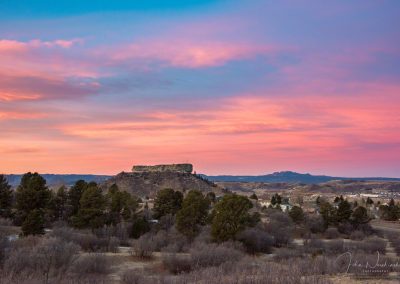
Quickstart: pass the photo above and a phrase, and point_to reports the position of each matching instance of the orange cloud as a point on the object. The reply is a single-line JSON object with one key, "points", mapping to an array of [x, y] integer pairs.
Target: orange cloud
{"points": [[11, 115]]}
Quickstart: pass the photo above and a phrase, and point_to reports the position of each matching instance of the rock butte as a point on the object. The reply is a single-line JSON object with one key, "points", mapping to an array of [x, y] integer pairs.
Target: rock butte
{"points": [[180, 168]]}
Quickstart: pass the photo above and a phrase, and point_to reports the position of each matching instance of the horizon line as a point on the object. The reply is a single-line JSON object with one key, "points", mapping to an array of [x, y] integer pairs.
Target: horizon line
{"points": [[247, 175]]}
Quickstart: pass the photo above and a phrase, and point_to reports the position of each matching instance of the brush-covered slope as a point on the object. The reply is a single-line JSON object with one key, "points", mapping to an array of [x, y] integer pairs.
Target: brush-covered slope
{"points": [[148, 183]]}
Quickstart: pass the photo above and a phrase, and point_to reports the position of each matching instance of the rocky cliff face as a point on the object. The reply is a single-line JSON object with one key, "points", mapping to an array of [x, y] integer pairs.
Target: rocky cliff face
{"points": [[147, 183], [179, 168]]}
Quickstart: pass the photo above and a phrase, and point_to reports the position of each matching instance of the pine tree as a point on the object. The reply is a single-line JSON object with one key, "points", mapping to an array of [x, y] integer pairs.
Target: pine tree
{"points": [[6, 197], [193, 214], [166, 202], [74, 197], [91, 212], [344, 211], [32, 194], [254, 196], [328, 213], [121, 205], [33, 223], [231, 215], [297, 214], [61, 199], [360, 216]]}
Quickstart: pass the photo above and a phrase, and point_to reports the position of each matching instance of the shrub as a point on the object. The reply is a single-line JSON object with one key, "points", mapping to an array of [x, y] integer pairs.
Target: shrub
{"points": [[86, 240], [118, 231], [143, 247], [204, 236], [345, 228], [96, 263], [168, 241], [334, 247], [357, 235], [204, 255], [50, 257], [288, 253], [331, 233], [256, 240], [368, 246], [166, 222], [177, 264], [314, 246], [315, 223], [367, 229], [4, 222], [4, 246], [280, 227], [113, 244], [132, 277], [255, 271], [26, 242]]}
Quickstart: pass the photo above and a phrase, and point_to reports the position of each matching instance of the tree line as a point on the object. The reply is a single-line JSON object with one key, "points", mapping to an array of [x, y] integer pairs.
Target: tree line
{"points": [[33, 206]]}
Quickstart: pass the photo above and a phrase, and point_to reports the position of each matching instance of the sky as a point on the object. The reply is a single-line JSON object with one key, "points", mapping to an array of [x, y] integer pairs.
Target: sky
{"points": [[234, 87]]}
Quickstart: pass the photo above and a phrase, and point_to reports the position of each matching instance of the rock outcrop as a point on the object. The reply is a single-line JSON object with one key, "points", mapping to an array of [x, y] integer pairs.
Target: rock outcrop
{"points": [[179, 168]]}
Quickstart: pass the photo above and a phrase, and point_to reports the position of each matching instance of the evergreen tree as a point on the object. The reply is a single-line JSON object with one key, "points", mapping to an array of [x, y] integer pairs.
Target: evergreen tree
{"points": [[60, 203], [231, 215], [121, 205], [33, 223], [276, 199], [344, 211], [297, 214], [140, 226], [74, 197], [91, 210], [193, 214], [360, 216], [32, 194], [369, 201], [390, 212], [254, 196], [166, 202], [328, 213], [6, 197]]}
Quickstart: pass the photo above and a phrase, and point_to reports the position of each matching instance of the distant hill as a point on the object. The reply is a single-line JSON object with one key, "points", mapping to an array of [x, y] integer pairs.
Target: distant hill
{"points": [[54, 180], [291, 177]]}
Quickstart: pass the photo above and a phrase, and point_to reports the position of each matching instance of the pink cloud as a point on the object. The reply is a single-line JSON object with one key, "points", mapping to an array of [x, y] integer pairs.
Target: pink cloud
{"points": [[259, 132], [39, 69], [20, 46], [190, 54], [14, 115], [14, 88]]}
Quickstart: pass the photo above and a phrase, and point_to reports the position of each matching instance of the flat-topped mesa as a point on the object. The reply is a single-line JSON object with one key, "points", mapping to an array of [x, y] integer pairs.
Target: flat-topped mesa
{"points": [[179, 168]]}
